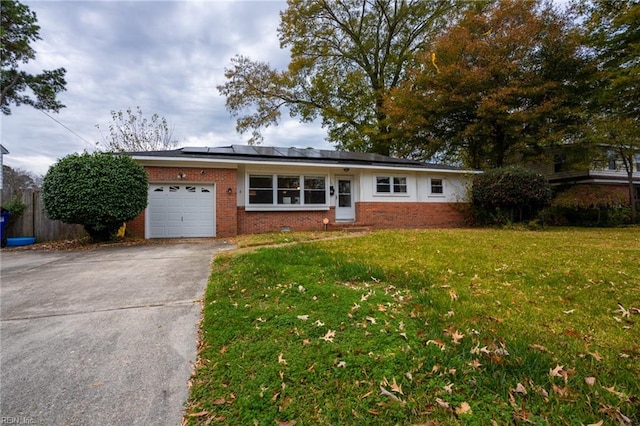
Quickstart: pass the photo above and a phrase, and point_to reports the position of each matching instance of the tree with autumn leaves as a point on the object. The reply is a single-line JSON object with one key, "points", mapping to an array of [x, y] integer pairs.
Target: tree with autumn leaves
{"points": [[494, 90], [345, 57], [484, 84], [612, 33]]}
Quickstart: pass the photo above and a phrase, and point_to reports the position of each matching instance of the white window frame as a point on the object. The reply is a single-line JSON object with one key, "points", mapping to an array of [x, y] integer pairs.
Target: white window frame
{"points": [[274, 206], [392, 192], [442, 185]]}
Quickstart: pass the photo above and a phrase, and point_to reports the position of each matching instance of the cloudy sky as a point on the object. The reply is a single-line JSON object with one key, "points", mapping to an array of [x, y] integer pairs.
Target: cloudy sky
{"points": [[167, 57]]}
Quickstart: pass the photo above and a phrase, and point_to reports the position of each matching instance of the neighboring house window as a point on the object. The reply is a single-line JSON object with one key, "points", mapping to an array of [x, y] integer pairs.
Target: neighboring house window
{"points": [[637, 162], [391, 185], [287, 190], [437, 186], [612, 161]]}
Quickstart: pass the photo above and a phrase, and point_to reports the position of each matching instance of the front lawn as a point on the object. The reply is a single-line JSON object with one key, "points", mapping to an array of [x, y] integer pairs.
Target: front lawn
{"points": [[425, 327]]}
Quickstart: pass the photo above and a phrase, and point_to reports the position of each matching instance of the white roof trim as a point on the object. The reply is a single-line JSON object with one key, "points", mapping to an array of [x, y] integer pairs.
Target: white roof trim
{"points": [[235, 163]]}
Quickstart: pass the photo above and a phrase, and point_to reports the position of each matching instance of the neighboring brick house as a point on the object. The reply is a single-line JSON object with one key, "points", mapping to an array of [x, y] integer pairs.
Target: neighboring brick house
{"points": [[226, 191], [608, 172]]}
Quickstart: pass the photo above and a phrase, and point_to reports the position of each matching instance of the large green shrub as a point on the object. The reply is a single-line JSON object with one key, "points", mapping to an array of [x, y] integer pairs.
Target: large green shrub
{"points": [[589, 205], [99, 191], [508, 195]]}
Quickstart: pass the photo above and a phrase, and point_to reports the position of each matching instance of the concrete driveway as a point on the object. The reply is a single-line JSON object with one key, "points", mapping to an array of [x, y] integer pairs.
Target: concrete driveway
{"points": [[104, 336]]}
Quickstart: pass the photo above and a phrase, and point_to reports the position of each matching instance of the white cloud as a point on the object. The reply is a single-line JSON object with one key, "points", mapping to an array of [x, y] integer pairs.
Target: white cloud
{"points": [[167, 57]]}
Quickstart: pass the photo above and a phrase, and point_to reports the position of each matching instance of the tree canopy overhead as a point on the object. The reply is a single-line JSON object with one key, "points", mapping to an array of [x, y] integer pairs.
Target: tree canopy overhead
{"points": [[345, 57], [19, 31], [493, 89]]}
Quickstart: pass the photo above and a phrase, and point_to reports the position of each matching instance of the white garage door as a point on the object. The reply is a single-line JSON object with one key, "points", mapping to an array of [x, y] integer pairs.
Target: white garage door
{"points": [[179, 210]]}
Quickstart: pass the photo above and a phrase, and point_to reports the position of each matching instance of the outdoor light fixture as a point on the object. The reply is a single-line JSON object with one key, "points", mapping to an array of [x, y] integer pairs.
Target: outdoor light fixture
{"points": [[346, 169], [181, 175], [229, 190]]}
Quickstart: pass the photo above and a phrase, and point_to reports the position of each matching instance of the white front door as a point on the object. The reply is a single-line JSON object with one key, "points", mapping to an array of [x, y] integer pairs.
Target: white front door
{"points": [[345, 208], [179, 210]]}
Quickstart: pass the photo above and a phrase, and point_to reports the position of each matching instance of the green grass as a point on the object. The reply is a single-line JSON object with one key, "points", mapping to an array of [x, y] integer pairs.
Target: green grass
{"points": [[437, 327]]}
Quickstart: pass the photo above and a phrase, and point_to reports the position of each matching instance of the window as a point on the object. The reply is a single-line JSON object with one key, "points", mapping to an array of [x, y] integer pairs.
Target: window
{"points": [[437, 186], [315, 191], [260, 189], [391, 185], [287, 190]]}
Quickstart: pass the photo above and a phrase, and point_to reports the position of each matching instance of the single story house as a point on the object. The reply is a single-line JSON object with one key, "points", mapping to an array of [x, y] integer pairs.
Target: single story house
{"points": [[227, 191]]}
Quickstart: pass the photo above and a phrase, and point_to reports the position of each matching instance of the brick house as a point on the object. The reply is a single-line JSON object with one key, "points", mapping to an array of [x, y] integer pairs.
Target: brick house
{"points": [[227, 191]]}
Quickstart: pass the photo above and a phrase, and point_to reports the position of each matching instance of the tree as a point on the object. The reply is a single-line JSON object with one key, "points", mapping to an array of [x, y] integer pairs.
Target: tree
{"points": [[613, 36], [19, 30], [345, 56], [99, 191], [131, 131], [494, 89], [18, 180]]}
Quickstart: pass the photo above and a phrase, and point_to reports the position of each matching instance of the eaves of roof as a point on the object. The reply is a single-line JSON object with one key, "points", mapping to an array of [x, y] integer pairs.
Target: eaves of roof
{"points": [[240, 154]]}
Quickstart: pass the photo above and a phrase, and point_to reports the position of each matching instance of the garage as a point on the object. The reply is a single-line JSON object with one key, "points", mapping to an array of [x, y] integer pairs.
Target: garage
{"points": [[181, 210]]}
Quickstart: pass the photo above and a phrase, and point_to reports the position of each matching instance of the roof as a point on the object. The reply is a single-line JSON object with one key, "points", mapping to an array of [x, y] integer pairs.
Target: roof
{"points": [[247, 153], [3, 150]]}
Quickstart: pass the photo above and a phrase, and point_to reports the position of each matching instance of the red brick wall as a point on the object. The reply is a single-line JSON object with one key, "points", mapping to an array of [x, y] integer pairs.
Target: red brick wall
{"points": [[258, 222], [410, 215], [226, 220]]}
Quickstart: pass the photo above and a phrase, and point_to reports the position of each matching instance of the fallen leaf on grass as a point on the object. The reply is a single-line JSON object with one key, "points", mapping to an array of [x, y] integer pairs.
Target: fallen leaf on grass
{"points": [[439, 343], [590, 380], [616, 393], [569, 312], [520, 389], [538, 348], [475, 364], [329, 336], [396, 387], [464, 408], [281, 360], [557, 371], [303, 317], [561, 391], [449, 388], [385, 392], [456, 336], [595, 356], [600, 423], [286, 423], [223, 350], [615, 414], [198, 414], [625, 313], [219, 401], [441, 403]]}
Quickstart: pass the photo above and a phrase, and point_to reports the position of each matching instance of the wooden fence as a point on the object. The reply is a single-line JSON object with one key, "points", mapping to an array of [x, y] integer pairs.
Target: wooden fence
{"points": [[35, 223]]}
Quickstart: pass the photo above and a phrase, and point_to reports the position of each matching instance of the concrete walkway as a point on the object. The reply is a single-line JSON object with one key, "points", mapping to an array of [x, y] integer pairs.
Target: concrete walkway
{"points": [[105, 336]]}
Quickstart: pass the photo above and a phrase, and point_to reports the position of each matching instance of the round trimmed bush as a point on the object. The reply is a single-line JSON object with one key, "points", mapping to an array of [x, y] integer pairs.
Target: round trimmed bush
{"points": [[100, 191], [507, 195]]}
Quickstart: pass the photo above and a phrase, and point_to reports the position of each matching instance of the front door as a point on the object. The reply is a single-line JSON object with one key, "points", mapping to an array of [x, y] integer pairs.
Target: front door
{"points": [[345, 210]]}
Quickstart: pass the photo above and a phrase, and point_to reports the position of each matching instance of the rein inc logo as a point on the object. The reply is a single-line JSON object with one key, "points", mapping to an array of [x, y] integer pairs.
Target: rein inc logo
{"points": [[17, 420]]}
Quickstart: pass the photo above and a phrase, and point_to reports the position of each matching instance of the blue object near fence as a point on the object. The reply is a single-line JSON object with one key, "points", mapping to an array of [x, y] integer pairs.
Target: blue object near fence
{"points": [[3, 222], [20, 241]]}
